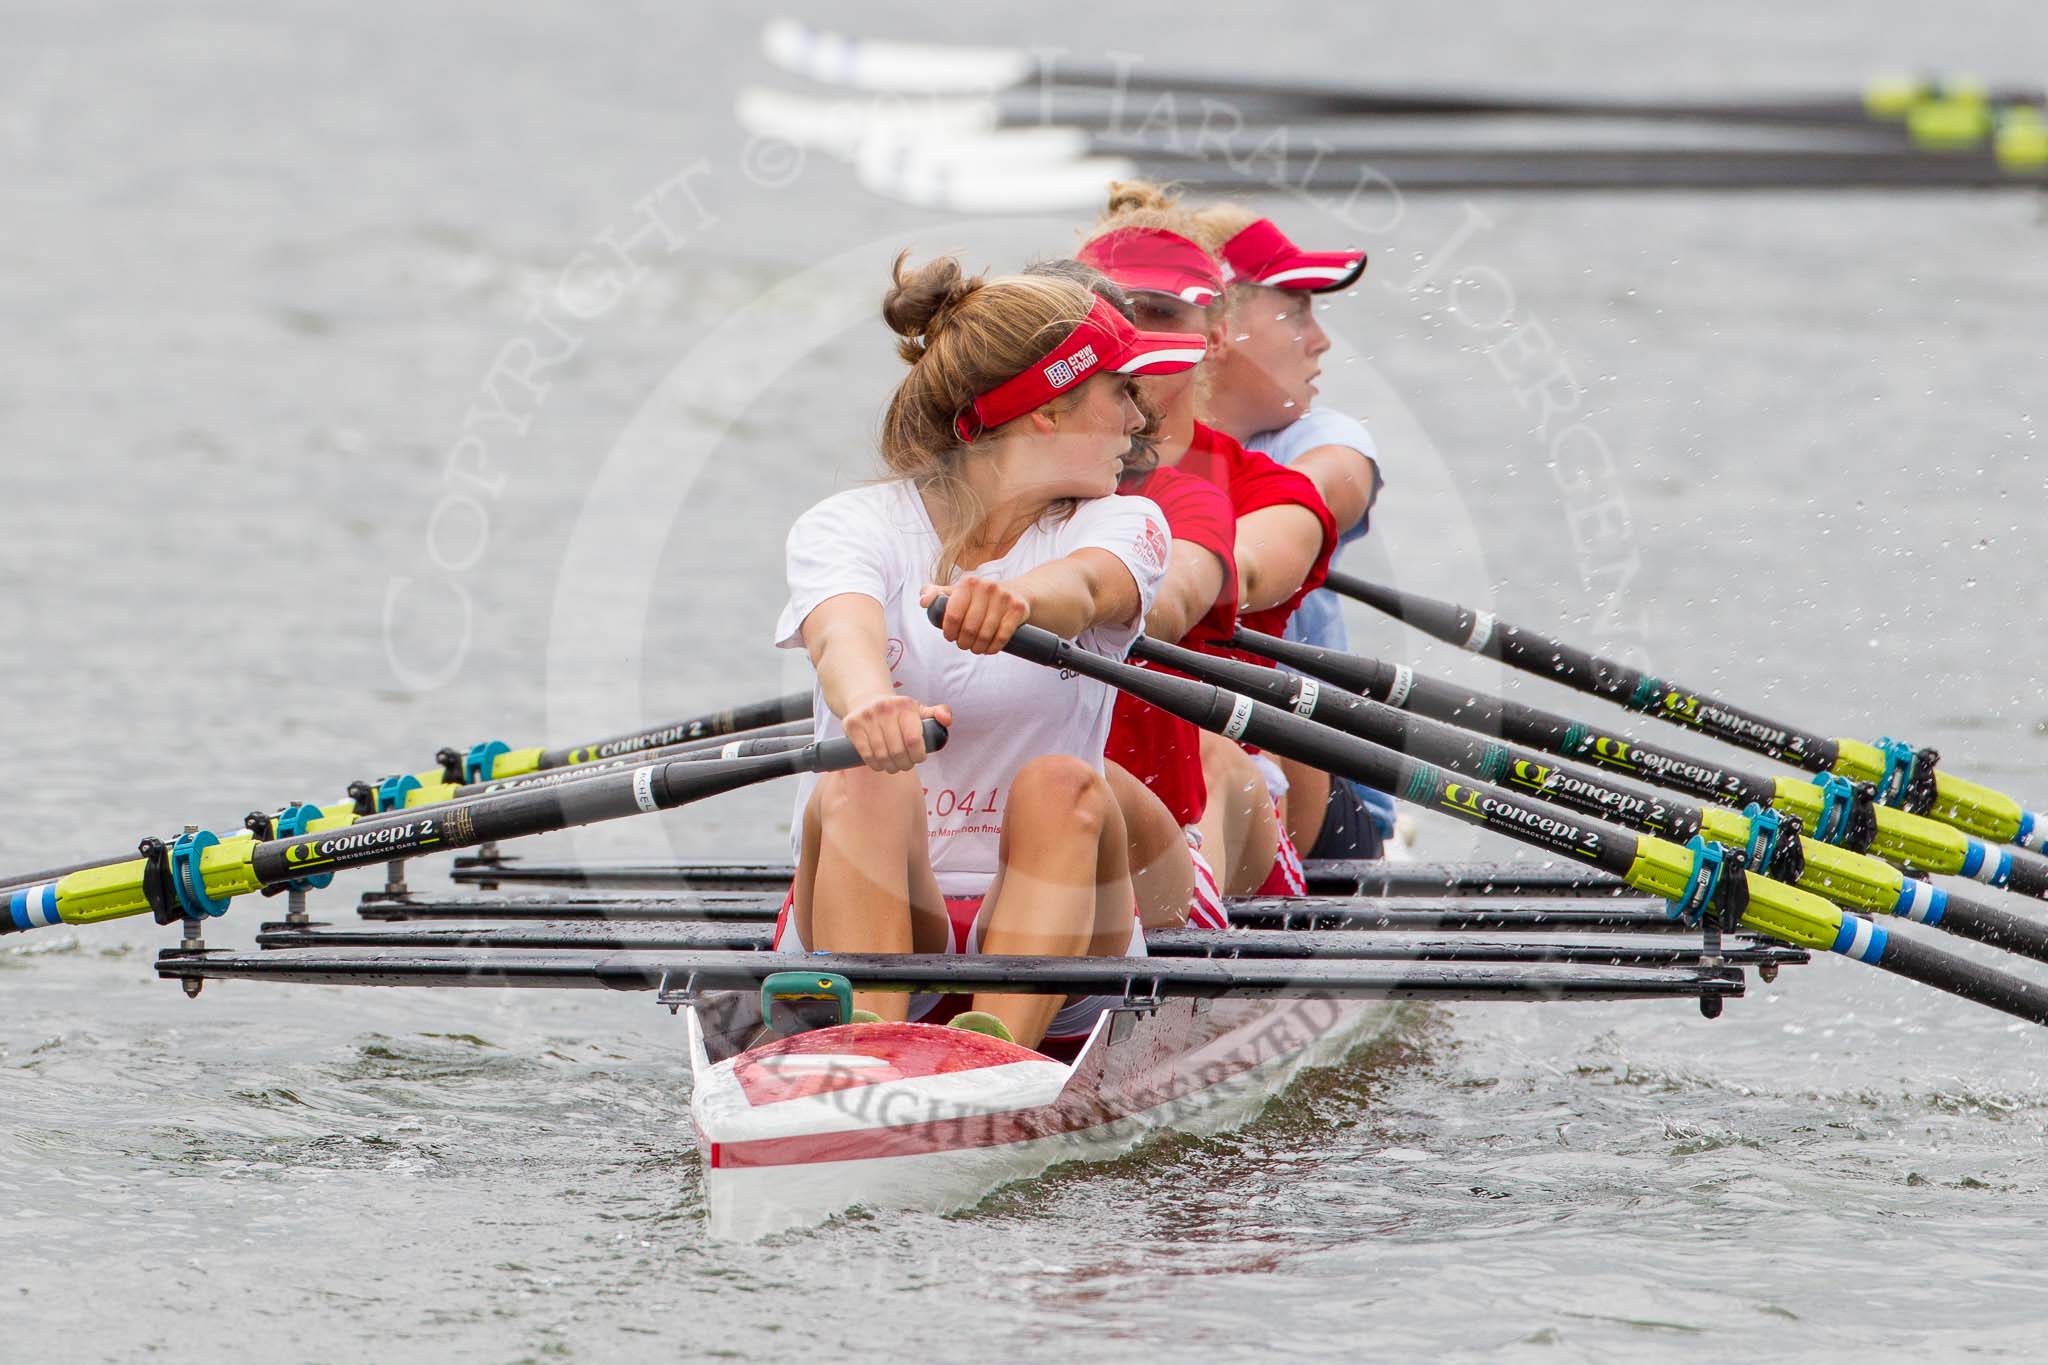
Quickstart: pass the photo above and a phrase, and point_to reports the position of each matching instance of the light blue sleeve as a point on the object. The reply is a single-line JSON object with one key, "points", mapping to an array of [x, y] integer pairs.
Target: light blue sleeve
{"points": [[1317, 427]]}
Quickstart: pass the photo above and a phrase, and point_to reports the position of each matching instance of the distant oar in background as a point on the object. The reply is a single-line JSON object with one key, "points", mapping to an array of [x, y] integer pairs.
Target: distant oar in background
{"points": [[879, 66], [967, 176]]}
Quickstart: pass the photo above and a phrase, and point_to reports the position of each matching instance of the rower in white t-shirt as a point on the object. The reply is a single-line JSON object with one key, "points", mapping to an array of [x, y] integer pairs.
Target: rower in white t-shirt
{"points": [[1006, 440]]}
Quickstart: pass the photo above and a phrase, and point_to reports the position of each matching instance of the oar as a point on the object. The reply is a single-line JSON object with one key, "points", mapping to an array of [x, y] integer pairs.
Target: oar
{"points": [[486, 767], [1063, 127], [199, 874], [1354, 945], [1484, 911], [958, 180], [1345, 876], [1905, 777], [1696, 879], [1849, 818], [1849, 879], [882, 66], [678, 977]]}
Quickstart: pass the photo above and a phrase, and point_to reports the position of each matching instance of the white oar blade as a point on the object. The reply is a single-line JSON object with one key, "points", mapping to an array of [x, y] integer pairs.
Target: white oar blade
{"points": [[867, 64], [840, 126], [1027, 150], [965, 187]]}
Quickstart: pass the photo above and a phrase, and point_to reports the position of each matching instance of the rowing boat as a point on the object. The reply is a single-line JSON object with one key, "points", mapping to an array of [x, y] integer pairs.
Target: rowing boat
{"points": [[926, 1117], [800, 1119]]}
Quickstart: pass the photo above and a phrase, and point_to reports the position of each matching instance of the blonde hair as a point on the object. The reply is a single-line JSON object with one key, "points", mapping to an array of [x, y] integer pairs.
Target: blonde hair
{"points": [[962, 335], [1145, 204], [1141, 203]]}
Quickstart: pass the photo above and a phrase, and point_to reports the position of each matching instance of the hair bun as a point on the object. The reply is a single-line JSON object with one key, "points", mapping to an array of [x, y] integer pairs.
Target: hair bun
{"points": [[918, 301], [1127, 196]]}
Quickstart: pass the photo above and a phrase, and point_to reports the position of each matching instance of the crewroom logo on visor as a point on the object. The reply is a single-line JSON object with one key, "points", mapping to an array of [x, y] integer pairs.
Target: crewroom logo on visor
{"points": [[1104, 339], [1063, 372]]}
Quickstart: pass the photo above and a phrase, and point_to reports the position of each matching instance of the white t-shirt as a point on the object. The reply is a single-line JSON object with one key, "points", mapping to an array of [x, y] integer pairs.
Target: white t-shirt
{"points": [[878, 541]]}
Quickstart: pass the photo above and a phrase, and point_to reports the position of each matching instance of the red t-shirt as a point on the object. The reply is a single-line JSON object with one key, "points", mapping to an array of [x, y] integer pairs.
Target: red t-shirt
{"points": [[1254, 481], [1163, 751]]}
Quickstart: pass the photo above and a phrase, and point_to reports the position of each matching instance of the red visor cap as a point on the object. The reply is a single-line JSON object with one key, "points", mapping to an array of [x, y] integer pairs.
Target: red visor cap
{"points": [[1261, 254], [1155, 261], [1104, 341]]}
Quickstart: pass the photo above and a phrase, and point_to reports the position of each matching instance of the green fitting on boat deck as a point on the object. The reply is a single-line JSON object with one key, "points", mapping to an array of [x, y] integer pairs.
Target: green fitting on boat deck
{"points": [[782, 990]]}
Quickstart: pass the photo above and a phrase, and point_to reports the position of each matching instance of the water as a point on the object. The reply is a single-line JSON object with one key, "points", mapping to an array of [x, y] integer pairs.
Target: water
{"points": [[262, 263]]}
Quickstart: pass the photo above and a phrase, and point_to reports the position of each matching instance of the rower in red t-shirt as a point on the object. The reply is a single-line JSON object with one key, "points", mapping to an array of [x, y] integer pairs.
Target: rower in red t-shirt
{"points": [[1282, 533], [1159, 749]]}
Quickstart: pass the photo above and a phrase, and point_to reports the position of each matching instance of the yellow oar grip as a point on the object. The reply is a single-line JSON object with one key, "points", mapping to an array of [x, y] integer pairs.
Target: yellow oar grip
{"points": [[1949, 124], [1851, 879], [1902, 838], [1792, 916], [2021, 142], [1983, 812], [110, 892], [1893, 97], [1782, 912]]}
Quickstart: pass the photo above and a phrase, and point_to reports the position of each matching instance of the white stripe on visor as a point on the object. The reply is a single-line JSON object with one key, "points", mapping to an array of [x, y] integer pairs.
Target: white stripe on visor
{"points": [[1180, 357], [1320, 274]]}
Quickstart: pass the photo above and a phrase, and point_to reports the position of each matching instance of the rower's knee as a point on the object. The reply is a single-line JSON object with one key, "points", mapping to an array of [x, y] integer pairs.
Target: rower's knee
{"points": [[1064, 789]]}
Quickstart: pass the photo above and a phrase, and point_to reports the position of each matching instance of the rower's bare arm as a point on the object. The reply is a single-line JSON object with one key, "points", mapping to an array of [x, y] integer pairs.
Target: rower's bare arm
{"points": [[1080, 591], [1194, 579], [847, 639], [1348, 480], [1067, 596], [1276, 548]]}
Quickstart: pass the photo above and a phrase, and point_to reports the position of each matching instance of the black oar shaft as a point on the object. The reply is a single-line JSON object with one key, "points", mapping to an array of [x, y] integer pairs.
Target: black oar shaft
{"points": [[1029, 85], [1962, 916], [1305, 979], [1786, 912], [698, 751], [1645, 171], [1995, 928], [793, 706], [512, 815], [1517, 722], [1537, 653], [1436, 742], [1930, 966]]}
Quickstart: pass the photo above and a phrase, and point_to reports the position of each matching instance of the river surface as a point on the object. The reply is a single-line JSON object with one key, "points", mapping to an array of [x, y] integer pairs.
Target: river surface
{"points": [[331, 437]]}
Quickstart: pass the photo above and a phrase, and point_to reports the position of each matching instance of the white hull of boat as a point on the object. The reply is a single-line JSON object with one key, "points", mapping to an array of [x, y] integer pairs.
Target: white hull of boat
{"points": [[918, 1116]]}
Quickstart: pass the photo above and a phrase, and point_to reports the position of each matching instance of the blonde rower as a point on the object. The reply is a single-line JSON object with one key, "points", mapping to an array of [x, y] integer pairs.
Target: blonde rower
{"points": [[1283, 535], [1005, 443], [1259, 385]]}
